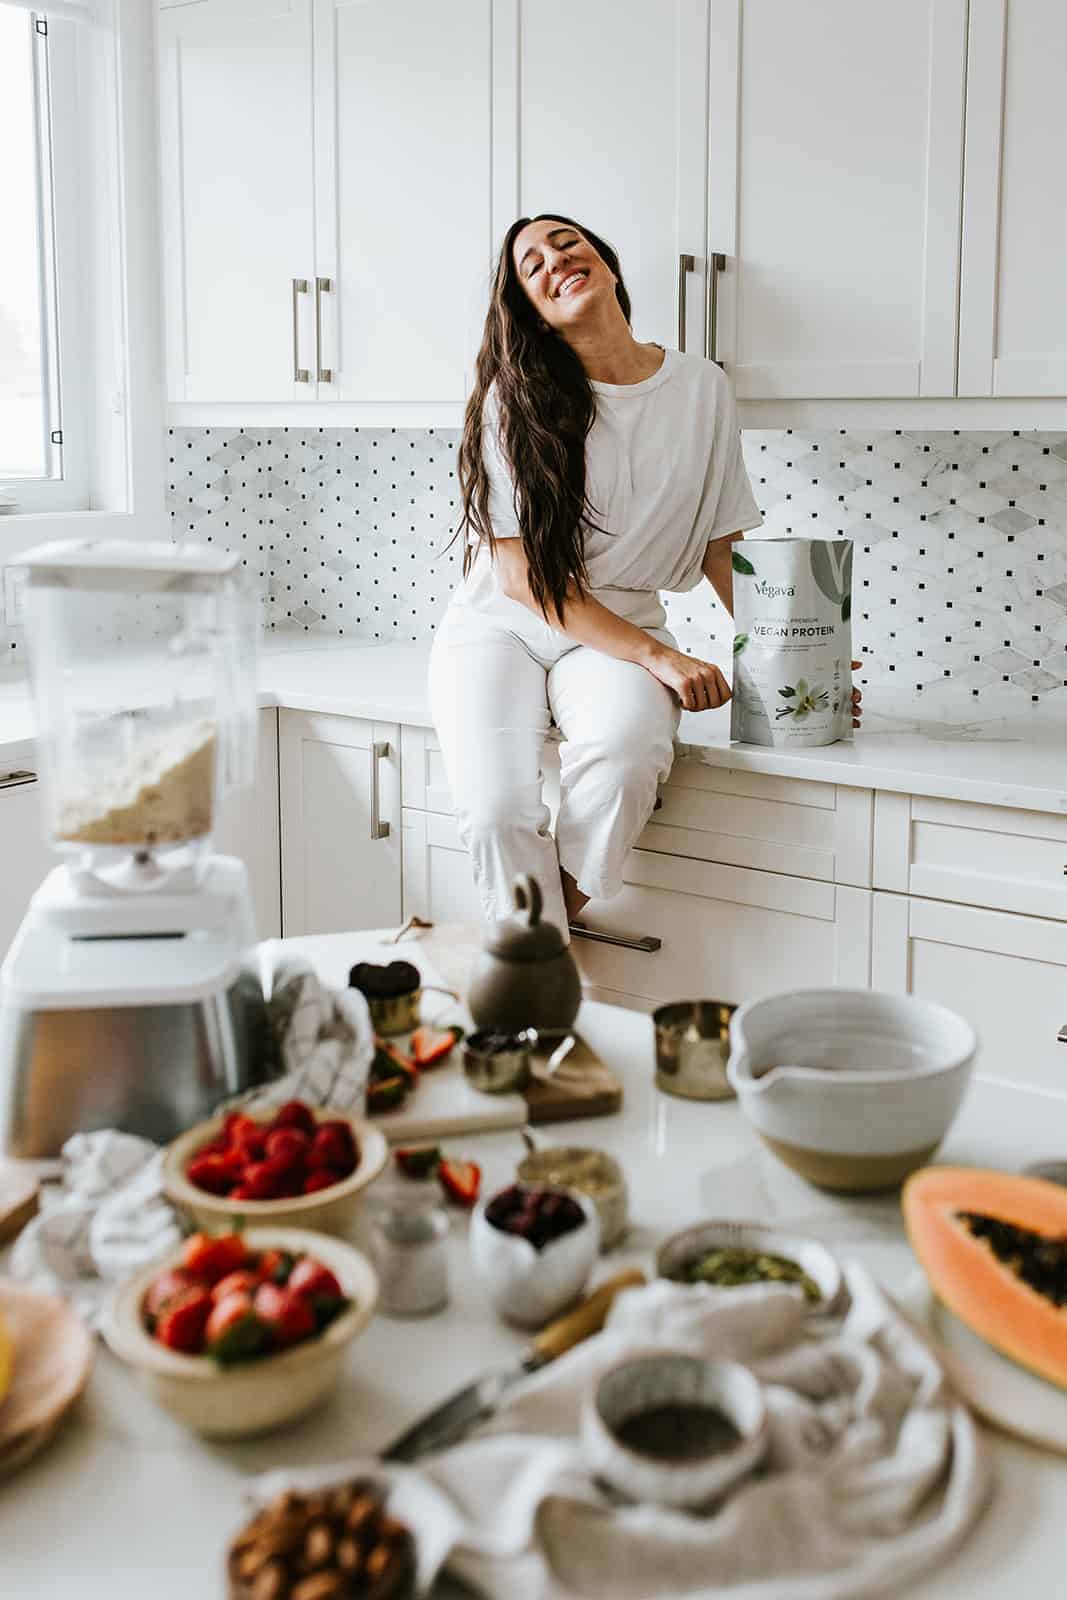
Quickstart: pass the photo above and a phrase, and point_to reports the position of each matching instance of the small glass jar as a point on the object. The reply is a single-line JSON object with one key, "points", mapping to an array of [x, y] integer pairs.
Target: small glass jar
{"points": [[409, 1246]]}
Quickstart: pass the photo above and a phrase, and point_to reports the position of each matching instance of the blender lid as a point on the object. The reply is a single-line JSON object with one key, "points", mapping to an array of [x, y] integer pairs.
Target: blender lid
{"points": [[142, 566]]}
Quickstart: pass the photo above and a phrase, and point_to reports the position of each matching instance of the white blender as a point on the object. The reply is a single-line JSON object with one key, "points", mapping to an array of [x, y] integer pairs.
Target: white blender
{"points": [[123, 1002]]}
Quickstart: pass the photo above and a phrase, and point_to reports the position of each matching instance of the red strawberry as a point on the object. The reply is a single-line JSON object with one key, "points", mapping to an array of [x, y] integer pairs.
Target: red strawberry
{"points": [[212, 1258], [243, 1281], [323, 1178], [332, 1148], [287, 1314], [294, 1114], [213, 1172], [183, 1321], [276, 1265], [164, 1288], [288, 1145], [234, 1331], [310, 1277], [242, 1192], [265, 1180]]}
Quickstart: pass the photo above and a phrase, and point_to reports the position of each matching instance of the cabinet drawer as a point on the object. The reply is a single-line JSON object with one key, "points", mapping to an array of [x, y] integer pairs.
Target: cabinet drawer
{"points": [[745, 819], [789, 825], [1006, 974], [974, 854], [726, 933]]}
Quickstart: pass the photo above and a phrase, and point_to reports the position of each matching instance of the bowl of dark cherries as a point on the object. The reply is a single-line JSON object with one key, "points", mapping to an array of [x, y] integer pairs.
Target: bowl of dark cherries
{"points": [[533, 1246]]}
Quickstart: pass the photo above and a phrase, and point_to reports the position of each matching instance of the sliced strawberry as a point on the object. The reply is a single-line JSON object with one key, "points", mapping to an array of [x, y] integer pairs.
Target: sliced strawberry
{"points": [[461, 1181], [431, 1046], [183, 1321]]}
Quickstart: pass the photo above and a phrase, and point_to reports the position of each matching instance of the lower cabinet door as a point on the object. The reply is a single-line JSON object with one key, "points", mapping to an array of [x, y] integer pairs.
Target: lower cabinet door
{"points": [[340, 823], [1007, 974], [26, 855], [726, 933], [438, 881]]}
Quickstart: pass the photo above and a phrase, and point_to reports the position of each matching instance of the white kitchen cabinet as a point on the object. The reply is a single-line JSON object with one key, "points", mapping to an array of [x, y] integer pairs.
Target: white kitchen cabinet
{"points": [[404, 111], [1013, 315], [980, 855], [238, 203], [600, 113], [25, 854], [340, 823], [835, 142], [1006, 974], [438, 878], [248, 826]]}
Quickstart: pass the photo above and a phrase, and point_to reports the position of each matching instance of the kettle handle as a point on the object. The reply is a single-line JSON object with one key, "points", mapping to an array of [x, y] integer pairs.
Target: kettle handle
{"points": [[528, 898]]}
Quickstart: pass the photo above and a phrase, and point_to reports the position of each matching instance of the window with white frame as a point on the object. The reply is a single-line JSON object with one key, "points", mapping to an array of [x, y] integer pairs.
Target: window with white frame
{"points": [[42, 442]]}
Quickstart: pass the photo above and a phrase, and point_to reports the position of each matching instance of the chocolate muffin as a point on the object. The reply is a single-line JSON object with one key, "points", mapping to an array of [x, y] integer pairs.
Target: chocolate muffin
{"points": [[337, 1544]]}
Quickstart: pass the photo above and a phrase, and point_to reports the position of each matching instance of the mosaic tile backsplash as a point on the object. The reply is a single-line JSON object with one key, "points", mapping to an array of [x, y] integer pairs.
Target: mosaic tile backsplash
{"points": [[960, 602]]}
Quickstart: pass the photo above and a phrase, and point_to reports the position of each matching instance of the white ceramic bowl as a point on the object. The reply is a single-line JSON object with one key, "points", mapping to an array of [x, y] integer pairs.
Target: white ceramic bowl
{"points": [[612, 1199], [658, 1378], [331, 1210], [529, 1286], [248, 1397], [851, 1088], [813, 1258]]}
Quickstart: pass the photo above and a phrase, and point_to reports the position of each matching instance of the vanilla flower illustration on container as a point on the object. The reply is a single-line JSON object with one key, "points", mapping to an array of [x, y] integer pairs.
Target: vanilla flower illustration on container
{"points": [[804, 700]]}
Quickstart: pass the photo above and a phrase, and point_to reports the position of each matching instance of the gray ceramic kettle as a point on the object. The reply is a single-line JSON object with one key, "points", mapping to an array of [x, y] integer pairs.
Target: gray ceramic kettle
{"points": [[525, 976]]}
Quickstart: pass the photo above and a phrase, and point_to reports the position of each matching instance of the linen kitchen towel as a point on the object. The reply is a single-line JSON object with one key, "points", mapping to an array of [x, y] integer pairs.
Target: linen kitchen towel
{"points": [[792, 642], [875, 1472]]}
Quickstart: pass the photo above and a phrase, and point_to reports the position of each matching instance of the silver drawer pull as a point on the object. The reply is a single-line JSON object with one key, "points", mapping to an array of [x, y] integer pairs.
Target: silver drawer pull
{"points": [[16, 780], [716, 264], [1061, 1037], [300, 374], [685, 264], [379, 752], [322, 286], [647, 943]]}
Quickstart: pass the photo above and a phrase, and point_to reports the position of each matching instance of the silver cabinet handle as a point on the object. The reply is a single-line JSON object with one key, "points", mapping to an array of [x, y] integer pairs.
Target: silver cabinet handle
{"points": [[1061, 1037], [379, 752], [300, 374], [16, 780], [647, 943], [716, 264], [322, 286], [685, 264]]}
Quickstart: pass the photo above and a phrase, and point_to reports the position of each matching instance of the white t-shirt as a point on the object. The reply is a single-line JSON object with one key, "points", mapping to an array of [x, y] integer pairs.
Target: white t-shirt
{"points": [[665, 475]]}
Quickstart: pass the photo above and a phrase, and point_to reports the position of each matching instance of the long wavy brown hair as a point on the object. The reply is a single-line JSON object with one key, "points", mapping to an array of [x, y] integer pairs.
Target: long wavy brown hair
{"points": [[544, 409]]}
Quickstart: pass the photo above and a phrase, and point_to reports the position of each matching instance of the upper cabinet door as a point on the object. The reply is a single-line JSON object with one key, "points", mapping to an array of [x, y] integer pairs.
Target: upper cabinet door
{"points": [[236, 115], [835, 146], [1013, 312], [404, 228], [600, 113]]}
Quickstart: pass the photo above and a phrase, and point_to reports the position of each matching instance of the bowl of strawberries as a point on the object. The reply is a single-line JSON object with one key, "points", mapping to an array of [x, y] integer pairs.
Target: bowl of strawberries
{"points": [[236, 1333], [297, 1166]]}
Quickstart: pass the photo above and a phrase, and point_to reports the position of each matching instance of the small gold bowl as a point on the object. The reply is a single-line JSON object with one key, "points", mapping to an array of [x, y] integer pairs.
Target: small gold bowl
{"points": [[692, 1048]]}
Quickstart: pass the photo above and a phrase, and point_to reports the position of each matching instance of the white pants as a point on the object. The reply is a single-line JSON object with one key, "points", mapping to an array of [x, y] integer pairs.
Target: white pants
{"points": [[499, 677]]}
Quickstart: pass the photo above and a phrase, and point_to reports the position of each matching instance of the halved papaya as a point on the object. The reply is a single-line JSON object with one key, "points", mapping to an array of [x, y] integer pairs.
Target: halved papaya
{"points": [[994, 1247]]}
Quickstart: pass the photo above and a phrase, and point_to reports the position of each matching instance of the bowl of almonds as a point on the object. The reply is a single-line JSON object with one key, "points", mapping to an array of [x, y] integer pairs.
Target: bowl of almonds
{"points": [[332, 1544]]}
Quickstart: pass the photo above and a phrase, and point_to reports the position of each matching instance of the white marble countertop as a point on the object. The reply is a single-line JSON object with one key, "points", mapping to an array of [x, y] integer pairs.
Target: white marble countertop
{"points": [[126, 1504], [1020, 763]]}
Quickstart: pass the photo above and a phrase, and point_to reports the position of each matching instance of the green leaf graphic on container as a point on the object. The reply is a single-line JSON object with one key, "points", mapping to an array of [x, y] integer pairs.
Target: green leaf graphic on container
{"points": [[806, 700], [740, 641], [831, 568], [740, 563]]}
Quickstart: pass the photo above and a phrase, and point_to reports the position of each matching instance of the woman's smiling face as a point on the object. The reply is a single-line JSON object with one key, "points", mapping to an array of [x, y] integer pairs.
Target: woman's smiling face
{"points": [[560, 272]]}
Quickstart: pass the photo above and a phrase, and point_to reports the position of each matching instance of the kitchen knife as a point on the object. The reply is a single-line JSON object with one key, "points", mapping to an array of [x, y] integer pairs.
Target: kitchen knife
{"points": [[447, 1423]]}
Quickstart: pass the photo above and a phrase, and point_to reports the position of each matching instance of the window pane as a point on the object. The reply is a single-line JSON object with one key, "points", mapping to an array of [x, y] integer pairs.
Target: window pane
{"points": [[22, 369]]}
